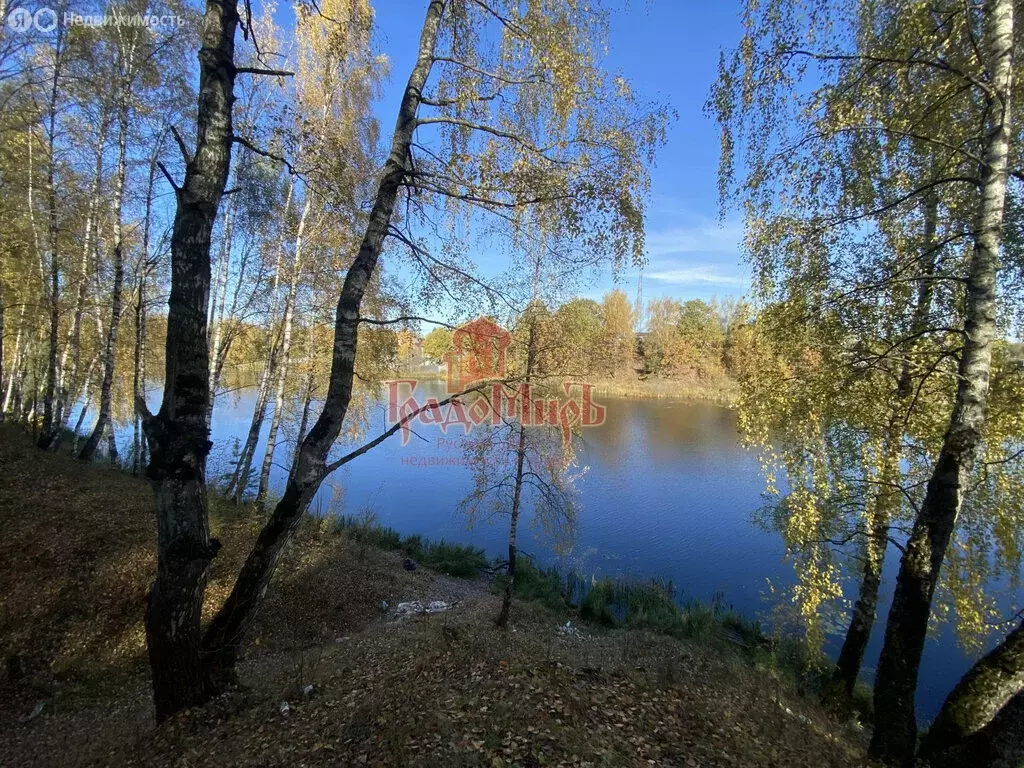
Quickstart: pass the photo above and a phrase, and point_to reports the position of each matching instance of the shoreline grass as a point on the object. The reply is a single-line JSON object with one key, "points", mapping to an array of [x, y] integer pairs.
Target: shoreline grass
{"points": [[721, 391], [724, 393], [462, 561], [624, 603]]}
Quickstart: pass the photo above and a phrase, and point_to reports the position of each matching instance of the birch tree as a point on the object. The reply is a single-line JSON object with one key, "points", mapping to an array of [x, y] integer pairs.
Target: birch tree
{"points": [[131, 53], [177, 434], [50, 433], [901, 82]]}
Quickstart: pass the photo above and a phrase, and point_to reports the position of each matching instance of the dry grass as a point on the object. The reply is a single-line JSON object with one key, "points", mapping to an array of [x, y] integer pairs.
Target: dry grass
{"points": [[441, 690]]}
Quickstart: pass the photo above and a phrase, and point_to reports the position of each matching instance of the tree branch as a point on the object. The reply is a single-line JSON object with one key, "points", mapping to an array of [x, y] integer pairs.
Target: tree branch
{"points": [[167, 175], [265, 153], [406, 318], [259, 71], [181, 145], [388, 433], [940, 64]]}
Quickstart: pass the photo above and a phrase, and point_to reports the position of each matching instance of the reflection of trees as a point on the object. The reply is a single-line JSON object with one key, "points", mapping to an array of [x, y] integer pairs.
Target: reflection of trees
{"points": [[610, 441], [667, 429], [688, 427]]}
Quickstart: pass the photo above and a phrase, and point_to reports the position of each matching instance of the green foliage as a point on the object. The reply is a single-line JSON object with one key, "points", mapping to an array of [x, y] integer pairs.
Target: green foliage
{"points": [[544, 585], [684, 339], [837, 149], [459, 560], [579, 324], [652, 606], [223, 508], [437, 344]]}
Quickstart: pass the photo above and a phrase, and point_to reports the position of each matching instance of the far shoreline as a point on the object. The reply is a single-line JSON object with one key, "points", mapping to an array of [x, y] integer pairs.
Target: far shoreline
{"points": [[723, 392]]}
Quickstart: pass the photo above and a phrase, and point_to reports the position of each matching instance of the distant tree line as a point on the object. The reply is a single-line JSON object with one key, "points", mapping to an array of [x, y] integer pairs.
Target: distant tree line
{"points": [[694, 340]]}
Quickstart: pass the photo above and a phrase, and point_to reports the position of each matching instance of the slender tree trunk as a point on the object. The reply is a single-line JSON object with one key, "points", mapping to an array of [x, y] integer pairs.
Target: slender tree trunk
{"points": [[228, 627], [513, 526], [21, 403], [81, 393], [895, 735], [15, 393], [73, 343], [139, 370], [112, 454], [240, 477], [303, 424], [84, 396], [141, 307], [104, 424], [50, 435], [14, 375], [859, 632], [31, 207], [283, 356], [307, 398], [1, 344], [177, 435], [887, 496], [217, 306], [33, 408], [517, 492], [979, 696], [230, 331]]}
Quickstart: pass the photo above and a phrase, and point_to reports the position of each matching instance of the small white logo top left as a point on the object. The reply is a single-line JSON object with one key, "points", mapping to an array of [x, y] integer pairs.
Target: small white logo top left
{"points": [[22, 20]]}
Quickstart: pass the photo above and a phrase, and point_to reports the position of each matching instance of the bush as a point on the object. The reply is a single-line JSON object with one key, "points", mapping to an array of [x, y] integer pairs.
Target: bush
{"points": [[532, 583], [459, 560], [652, 606], [640, 605]]}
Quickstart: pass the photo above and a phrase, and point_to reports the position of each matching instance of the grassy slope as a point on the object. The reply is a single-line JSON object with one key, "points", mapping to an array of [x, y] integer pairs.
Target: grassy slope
{"points": [[447, 689]]}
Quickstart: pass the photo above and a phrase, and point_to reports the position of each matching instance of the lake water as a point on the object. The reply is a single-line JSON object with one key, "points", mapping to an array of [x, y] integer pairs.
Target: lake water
{"points": [[669, 494]]}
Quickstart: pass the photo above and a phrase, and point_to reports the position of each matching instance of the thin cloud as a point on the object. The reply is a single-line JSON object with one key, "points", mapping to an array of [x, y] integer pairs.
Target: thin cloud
{"points": [[706, 237], [699, 275]]}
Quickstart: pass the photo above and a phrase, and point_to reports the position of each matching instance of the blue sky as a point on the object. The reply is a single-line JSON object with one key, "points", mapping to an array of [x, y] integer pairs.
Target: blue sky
{"points": [[669, 50]]}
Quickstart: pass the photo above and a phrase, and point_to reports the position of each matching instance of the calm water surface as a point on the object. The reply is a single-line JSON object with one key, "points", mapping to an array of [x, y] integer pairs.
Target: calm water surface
{"points": [[669, 494]]}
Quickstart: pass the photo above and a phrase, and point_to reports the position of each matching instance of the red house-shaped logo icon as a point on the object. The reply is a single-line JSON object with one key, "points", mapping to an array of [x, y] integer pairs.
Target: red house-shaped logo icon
{"points": [[477, 354]]}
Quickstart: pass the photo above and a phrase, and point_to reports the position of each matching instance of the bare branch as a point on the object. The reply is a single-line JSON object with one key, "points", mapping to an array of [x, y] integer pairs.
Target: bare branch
{"points": [[260, 71], [388, 433], [405, 318], [484, 128], [265, 153], [940, 64], [167, 175], [502, 78], [972, 180], [181, 145]]}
